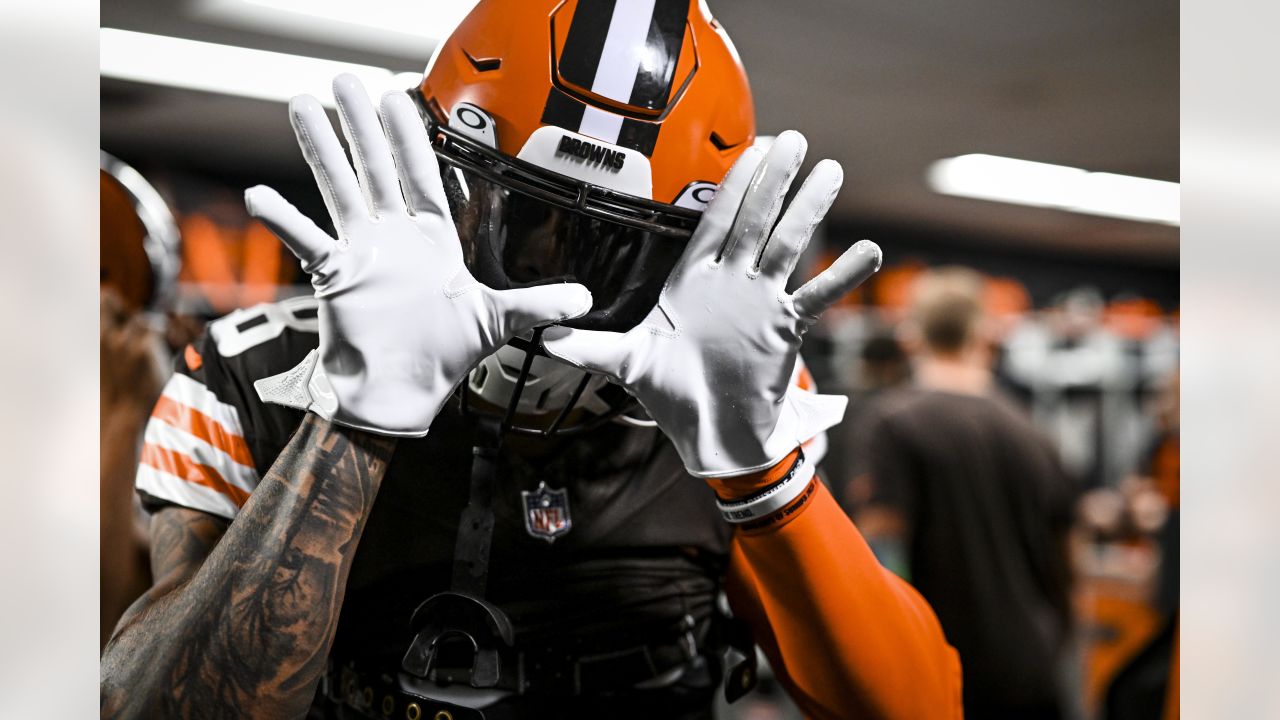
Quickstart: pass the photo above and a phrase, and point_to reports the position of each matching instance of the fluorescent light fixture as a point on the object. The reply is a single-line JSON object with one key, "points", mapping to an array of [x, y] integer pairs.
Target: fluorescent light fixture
{"points": [[1022, 182], [230, 70]]}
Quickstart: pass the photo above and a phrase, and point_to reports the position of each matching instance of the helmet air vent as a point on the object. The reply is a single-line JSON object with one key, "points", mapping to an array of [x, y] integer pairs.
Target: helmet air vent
{"points": [[720, 142], [483, 64]]}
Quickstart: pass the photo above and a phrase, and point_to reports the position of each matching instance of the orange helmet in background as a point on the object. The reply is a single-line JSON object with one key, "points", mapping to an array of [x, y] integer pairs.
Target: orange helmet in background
{"points": [[138, 242]]}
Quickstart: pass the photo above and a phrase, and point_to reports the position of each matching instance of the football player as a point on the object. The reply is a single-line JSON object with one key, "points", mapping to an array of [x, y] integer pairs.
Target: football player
{"points": [[468, 479]]}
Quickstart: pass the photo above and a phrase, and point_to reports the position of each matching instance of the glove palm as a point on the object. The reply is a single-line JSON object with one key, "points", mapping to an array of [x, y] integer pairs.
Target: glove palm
{"points": [[712, 363]]}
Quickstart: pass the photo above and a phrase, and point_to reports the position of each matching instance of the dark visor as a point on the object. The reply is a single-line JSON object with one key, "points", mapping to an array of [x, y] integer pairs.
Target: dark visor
{"points": [[522, 226]]}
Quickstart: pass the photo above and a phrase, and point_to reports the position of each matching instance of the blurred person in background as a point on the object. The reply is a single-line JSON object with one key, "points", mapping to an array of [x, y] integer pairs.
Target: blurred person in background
{"points": [[138, 251], [1164, 467], [974, 498], [131, 376], [1137, 671], [882, 366], [1078, 379]]}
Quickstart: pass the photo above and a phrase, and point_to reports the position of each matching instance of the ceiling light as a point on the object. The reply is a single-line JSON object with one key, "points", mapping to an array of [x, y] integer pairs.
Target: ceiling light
{"points": [[1022, 182], [230, 70]]}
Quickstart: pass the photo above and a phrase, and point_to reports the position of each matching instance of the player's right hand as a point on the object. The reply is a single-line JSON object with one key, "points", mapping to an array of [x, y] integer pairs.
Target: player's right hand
{"points": [[402, 320]]}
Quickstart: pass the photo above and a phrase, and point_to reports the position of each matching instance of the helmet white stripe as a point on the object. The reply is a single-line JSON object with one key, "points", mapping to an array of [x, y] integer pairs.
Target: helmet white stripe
{"points": [[601, 125], [621, 56]]}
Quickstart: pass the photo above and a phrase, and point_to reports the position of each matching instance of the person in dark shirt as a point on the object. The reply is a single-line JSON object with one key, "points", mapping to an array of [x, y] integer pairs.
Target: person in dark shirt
{"points": [[975, 500]]}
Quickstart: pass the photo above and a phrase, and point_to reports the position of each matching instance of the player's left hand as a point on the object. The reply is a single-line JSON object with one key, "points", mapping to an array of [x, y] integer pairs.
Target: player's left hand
{"points": [[712, 363]]}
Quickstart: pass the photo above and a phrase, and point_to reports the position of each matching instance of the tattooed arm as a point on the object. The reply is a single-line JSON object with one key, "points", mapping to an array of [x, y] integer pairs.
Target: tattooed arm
{"points": [[242, 616]]}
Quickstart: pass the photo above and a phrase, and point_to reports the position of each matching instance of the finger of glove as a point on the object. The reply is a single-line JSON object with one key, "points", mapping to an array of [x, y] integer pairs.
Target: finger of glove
{"points": [[328, 161], [848, 272], [708, 239], [304, 239], [364, 133], [596, 351], [526, 308], [791, 236], [416, 160], [763, 199]]}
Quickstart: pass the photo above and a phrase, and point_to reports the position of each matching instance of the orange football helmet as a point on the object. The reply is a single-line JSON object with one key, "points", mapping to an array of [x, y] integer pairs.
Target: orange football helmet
{"points": [[580, 141], [138, 241]]}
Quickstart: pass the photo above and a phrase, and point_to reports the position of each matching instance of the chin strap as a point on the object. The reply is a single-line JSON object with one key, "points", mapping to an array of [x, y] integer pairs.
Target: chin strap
{"points": [[475, 526], [462, 616]]}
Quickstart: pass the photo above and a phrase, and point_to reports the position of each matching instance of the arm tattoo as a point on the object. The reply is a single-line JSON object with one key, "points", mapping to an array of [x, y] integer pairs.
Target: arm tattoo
{"points": [[248, 633], [180, 540]]}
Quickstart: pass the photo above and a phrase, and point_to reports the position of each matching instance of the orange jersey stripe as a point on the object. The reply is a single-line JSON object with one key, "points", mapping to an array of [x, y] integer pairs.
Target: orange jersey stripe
{"points": [[184, 467], [804, 379], [204, 427]]}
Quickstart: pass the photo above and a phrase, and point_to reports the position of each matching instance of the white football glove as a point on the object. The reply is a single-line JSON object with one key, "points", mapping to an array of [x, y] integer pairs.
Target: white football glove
{"points": [[712, 362], [401, 318]]}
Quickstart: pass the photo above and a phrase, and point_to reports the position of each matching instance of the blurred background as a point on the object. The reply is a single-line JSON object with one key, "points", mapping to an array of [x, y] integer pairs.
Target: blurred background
{"points": [[1035, 143]]}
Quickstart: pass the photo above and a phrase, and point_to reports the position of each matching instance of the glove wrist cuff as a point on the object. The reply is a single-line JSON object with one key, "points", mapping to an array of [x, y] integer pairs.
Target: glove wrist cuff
{"points": [[746, 484], [747, 481], [307, 387], [774, 501]]}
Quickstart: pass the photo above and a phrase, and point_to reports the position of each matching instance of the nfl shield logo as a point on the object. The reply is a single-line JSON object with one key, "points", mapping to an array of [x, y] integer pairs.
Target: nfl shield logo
{"points": [[546, 512]]}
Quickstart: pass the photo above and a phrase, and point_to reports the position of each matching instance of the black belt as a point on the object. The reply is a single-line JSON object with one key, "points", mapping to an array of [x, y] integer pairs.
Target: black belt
{"points": [[555, 673], [383, 696], [583, 670], [544, 672]]}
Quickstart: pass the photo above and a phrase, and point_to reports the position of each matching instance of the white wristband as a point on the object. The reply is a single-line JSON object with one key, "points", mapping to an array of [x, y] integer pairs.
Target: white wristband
{"points": [[771, 499]]}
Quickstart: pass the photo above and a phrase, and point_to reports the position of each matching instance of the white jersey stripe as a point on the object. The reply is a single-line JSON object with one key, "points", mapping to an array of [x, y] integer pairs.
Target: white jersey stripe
{"points": [[180, 441], [194, 394], [161, 484]]}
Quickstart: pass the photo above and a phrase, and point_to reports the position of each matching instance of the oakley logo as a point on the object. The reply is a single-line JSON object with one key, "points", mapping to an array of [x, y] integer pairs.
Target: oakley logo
{"points": [[471, 117], [591, 153]]}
